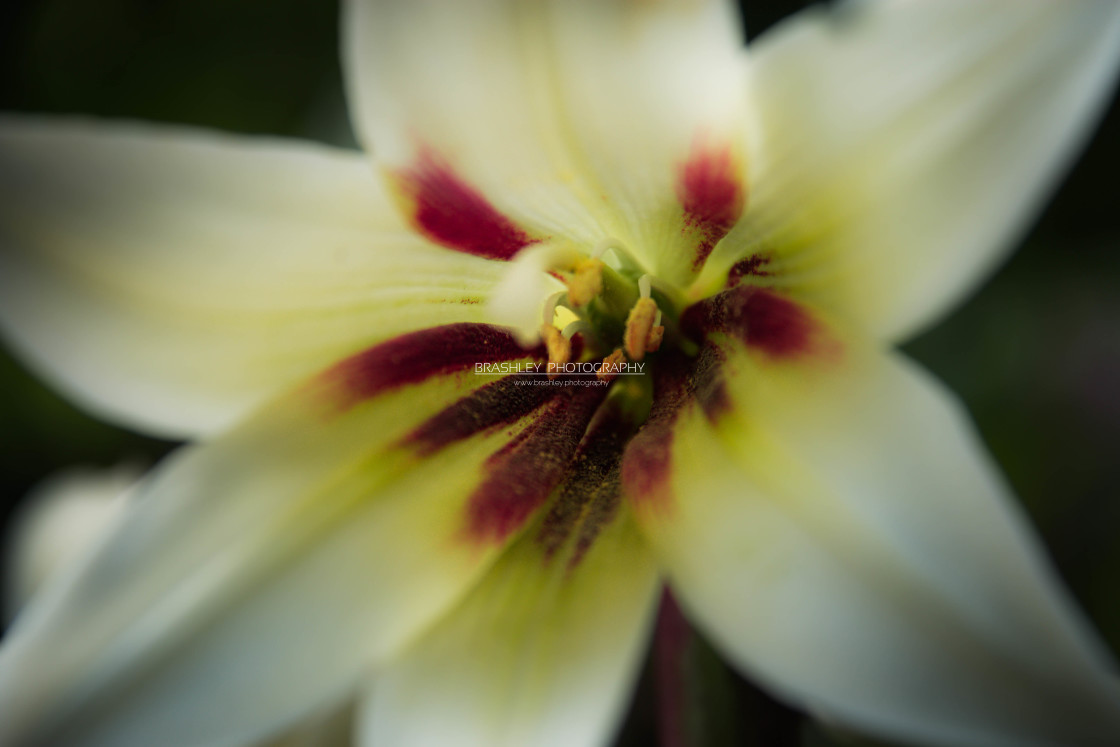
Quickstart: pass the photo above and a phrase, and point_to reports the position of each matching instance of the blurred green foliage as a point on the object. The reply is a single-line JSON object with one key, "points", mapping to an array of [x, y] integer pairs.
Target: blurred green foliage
{"points": [[1035, 356]]}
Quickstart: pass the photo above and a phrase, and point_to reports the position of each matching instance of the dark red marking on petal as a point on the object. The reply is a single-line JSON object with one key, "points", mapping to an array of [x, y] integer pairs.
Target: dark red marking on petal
{"points": [[753, 265], [775, 324], [646, 465], [451, 212], [761, 319], [499, 403], [671, 643], [417, 356], [711, 192], [522, 475]]}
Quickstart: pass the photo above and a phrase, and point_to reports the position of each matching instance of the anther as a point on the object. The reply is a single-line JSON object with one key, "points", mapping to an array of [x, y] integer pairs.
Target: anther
{"points": [[559, 348], [656, 333], [642, 334], [608, 369], [586, 282]]}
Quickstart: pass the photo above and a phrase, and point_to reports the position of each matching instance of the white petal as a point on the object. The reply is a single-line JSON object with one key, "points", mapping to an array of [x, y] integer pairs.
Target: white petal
{"points": [[841, 534], [573, 118], [902, 147], [59, 521], [540, 653], [332, 727], [256, 579], [172, 279], [518, 300]]}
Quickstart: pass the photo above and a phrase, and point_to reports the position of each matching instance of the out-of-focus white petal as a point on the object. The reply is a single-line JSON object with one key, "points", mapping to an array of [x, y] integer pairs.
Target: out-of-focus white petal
{"points": [[900, 148], [172, 279], [574, 119], [542, 652], [332, 727], [256, 579], [841, 535], [518, 300], [60, 520]]}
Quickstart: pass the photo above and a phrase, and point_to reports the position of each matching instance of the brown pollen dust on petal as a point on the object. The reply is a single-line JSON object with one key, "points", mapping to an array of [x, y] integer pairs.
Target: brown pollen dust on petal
{"points": [[590, 494], [754, 265], [521, 476], [498, 403], [680, 382]]}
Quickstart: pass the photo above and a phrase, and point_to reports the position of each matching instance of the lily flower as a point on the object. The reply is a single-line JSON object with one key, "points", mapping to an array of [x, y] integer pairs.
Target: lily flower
{"points": [[711, 250]]}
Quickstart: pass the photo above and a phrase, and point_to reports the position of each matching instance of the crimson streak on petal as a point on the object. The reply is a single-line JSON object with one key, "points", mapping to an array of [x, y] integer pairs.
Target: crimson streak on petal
{"points": [[521, 476], [417, 356], [759, 318], [451, 212], [710, 190], [671, 642], [646, 465]]}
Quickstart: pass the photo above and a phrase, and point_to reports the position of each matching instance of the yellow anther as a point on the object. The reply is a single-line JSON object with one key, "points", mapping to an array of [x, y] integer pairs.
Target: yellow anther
{"points": [[653, 342], [610, 367], [559, 349], [639, 326], [586, 282]]}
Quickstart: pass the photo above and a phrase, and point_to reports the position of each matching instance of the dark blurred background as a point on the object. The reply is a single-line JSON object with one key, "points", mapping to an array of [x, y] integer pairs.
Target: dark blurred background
{"points": [[1035, 355]]}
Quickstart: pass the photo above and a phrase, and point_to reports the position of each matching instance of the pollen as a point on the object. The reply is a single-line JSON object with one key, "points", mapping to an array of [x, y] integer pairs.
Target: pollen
{"points": [[609, 370], [586, 282], [643, 333], [559, 348]]}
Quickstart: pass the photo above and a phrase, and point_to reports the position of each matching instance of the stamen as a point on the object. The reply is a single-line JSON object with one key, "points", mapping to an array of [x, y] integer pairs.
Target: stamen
{"points": [[608, 370], [586, 282], [639, 328], [559, 348], [643, 286]]}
